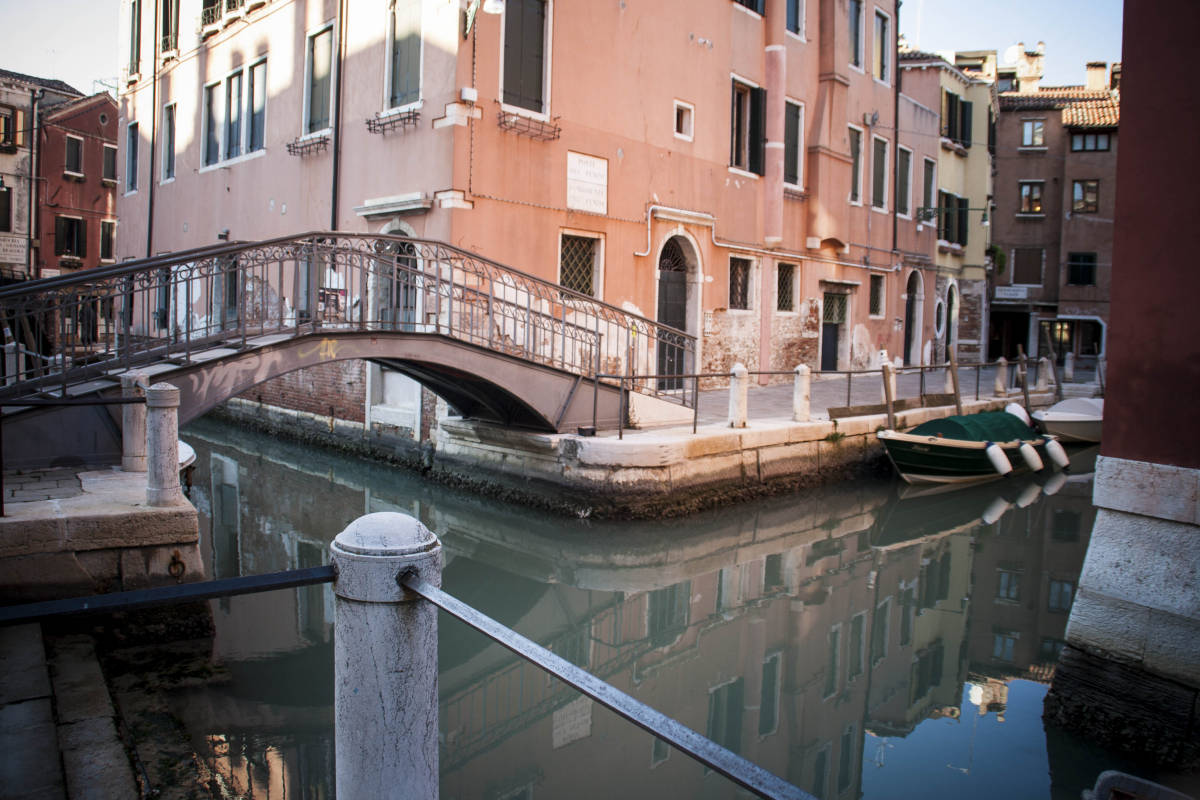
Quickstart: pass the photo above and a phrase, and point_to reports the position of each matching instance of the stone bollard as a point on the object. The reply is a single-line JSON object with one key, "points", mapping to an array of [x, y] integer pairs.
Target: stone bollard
{"points": [[133, 424], [385, 659], [948, 385], [801, 393], [162, 446], [11, 362], [1069, 368], [1043, 374], [739, 402], [1001, 386]]}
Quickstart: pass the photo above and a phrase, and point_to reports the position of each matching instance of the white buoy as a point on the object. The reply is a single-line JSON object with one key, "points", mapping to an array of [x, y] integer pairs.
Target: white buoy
{"points": [[995, 510], [1018, 412], [1054, 483], [1000, 462], [1028, 495], [1032, 459], [1057, 454]]}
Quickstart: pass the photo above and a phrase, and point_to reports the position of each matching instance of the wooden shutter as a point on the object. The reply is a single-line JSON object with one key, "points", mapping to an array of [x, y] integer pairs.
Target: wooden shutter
{"points": [[791, 144], [524, 53], [963, 204], [60, 236], [406, 53], [965, 127], [6, 210], [758, 130]]}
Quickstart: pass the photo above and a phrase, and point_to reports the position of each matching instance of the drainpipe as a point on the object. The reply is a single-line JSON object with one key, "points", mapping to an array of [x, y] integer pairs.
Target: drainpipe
{"points": [[154, 43], [35, 156], [896, 127], [776, 74], [337, 116]]}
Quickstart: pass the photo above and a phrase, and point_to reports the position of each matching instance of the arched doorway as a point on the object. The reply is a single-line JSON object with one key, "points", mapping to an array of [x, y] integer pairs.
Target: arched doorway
{"points": [[913, 295], [672, 308]]}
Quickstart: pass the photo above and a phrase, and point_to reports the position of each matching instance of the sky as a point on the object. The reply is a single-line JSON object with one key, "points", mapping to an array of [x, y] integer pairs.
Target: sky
{"points": [[77, 40]]}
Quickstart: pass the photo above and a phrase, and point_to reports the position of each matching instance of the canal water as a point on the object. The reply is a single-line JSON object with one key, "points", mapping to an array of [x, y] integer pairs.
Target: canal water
{"points": [[857, 642]]}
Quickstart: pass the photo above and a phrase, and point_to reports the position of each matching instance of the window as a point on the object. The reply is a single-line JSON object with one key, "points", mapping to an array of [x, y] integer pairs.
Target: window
{"points": [[1065, 525], [904, 182], [578, 260], [1089, 141], [667, 612], [793, 143], [73, 163], [1008, 584], [404, 58], [525, 54], [319, 63], [131, 157], [739, 283], [135, 36], [1061, 595], [846, 760], [952, 218], [8, 128], [1085, 197], [108, 240], [725, 715], [855, 653], [831, 661], [168, 143], [786, 290], [881, 63], [768, 704], [233, 115], [1050, 649], [1033, 133], [820, 781], [956, 118], [170, 25], [757, 6], [879, 631], [1027, 266], [879, 169], [856, 34], [684, 120], [212, 142], [908, 608], [1031, 197], [1081, 269], [795, 17], [6, 210], [855, 165], [109, 171], [747, 132], [70, 237], [1004, 644], [256, 96], [929, 184], [876, 307], [773, 572]]}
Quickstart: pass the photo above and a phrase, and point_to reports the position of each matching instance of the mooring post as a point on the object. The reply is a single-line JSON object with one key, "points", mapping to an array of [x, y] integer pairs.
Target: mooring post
{"points": [[162, 446], [801, 393], [1001, 385], [133, 424], [1069, 368], [739, 398], [1043, 374], [888, 373], [385, 659]]}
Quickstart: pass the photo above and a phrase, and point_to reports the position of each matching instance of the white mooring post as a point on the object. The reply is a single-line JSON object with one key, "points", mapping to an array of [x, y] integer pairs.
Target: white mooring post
{"points": [[1069, 368], [801, 393], [1043, 374], [739, 401], [162, 446], [1001, 386], [133, 424], [385, 660]]}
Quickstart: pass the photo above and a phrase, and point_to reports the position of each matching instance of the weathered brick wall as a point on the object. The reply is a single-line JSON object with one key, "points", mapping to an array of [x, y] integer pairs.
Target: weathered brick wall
{"points": [[794, 338], [337, 388], [970, 321], [729, 338]]}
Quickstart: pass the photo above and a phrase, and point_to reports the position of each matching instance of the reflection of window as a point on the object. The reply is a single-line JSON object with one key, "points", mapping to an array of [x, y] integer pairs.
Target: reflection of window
{"points": [[820, 781], [832, 660], [773, 572], [768, 706], [725, 715], [319, 65], [879, 631], [1004, 644], [1008, 584], [926, 671], [668, 612], [1050, 649], [659, 751], [855, 651], [311, 599], [1064, 526], [907, 612], [1061, 595], [846, 760]]}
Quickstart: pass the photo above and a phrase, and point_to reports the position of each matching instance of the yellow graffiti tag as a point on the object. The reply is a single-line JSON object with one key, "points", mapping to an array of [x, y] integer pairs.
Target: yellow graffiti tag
{"points": [[326, 350]]}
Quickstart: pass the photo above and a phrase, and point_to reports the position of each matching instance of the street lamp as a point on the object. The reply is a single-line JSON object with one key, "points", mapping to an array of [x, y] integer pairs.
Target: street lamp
{"points": [[489, 7], [927, 214]]}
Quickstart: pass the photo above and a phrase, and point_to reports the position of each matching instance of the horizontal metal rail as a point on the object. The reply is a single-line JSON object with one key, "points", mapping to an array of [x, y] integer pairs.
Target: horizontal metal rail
{"points": [[740, 770], [165, 595]]}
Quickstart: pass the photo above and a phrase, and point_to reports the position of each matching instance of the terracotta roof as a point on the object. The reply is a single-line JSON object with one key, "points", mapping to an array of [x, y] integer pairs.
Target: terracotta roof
{"points": [[1104, 113], [49, 83], [920, 55], [1052, 97], [77, 103]]}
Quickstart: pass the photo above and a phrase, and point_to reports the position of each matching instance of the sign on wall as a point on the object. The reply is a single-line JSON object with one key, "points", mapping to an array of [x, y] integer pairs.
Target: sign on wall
{"points": [[1012, 292], [587, 183], [12, 249]]}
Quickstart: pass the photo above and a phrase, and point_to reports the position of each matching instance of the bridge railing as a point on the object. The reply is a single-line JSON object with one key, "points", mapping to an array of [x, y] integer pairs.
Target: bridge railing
{"points": [[73, 328]]}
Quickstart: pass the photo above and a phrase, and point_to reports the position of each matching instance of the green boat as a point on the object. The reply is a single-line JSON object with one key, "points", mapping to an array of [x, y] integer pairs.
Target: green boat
{"points": [[970, 448]]}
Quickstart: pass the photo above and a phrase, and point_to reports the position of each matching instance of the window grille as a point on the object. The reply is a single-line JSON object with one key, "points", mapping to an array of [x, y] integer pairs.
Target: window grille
{"points": [[739, 283], [787, 278], [577, 264], [876, 295], [835, 308]]}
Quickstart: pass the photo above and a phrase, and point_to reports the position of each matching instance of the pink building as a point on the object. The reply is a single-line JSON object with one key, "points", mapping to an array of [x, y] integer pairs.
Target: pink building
{"points": [[727, 166]]}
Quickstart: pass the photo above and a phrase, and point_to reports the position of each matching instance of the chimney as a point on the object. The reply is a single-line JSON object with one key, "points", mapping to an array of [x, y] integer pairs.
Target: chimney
{"points": [[1097, 74]]}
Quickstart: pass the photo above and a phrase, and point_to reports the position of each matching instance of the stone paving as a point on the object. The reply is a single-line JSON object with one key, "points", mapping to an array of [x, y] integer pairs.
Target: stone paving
{"points": [[22, 486]]}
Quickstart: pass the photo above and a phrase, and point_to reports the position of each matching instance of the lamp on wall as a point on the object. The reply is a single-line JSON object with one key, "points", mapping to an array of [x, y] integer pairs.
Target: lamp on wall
{"points": [[489, 7], [928, 214]]}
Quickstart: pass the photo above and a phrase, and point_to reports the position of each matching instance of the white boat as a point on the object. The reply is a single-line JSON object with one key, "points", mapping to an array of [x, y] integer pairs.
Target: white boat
{"points": [[1077, 419]]}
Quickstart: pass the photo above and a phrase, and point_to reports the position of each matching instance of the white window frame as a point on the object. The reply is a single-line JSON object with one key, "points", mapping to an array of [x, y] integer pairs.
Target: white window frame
{"points": [[799, 184], [547, 68], [388, 108], [745, 171], [106, 180], [777, 655], [132, 158], [1026, 126], [795, 309], [887, 183], [863, 643], [598, 270], [1031, 214], [933, 192], [100, 243], [751, 283], [169, 152], [66, 139], [908, 199], [211, 121], [885, 604], [888, 51], [836, 667], [219, 121], [861, 66], [248, 111], [690, 116], [801, 11], [226, 113], [305, 114], [861, 138]]}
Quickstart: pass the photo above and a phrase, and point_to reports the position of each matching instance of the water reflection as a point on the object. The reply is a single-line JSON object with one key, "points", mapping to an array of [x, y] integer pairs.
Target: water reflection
{"points": [[849, 639]]}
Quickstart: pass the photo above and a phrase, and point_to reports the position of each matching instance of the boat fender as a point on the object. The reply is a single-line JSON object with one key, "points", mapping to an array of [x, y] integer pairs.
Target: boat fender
{"points": [[1032, 459], [1000, 462], [1054, 483], [1057, 454], [995, 510], [1029, 494], [1018, 412]]}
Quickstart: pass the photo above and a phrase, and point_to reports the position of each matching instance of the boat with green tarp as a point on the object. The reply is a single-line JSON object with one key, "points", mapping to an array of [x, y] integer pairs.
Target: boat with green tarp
{"points": [[970, 448]]}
